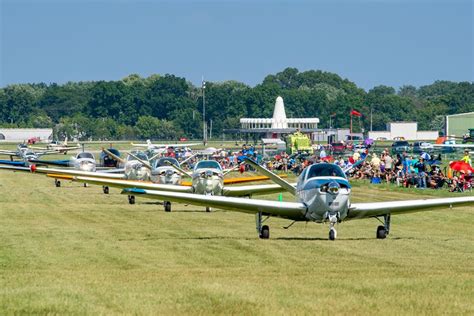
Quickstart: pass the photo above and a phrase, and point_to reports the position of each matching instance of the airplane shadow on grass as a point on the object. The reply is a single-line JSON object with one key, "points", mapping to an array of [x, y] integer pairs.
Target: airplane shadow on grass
{"points": [[256, 238]]}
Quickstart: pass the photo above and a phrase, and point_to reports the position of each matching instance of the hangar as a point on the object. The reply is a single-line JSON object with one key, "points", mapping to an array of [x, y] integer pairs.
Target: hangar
{"points": [[23, 134]]}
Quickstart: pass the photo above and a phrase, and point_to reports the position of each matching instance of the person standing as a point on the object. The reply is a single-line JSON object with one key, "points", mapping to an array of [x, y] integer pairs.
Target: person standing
{"points": [[421, 166], [466, 158]]}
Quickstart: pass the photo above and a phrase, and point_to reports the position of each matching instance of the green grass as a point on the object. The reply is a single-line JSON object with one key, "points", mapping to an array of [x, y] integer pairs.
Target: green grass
{"points": [[74, 250]]}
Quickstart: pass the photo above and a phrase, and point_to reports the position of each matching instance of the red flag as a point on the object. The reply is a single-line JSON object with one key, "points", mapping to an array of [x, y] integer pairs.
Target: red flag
{"points": [[355, 113]]}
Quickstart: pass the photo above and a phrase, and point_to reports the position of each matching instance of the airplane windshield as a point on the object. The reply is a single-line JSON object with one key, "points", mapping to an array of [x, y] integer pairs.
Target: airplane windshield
{"points": [[162, 162], [208, 164], [140, 155], [325, 170], [85, 155]]}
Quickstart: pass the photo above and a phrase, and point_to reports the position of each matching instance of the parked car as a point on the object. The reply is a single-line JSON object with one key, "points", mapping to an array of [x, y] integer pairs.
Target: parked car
{"points": [[399, 138], [360, 148], [400, 146], [419, 147]]}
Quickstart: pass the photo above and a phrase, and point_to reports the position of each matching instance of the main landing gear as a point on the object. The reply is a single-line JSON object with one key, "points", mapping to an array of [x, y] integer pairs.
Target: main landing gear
{"points": [[383, 231], [263, 231], [57, 183], [131, 199], [208, 209], [105, 189], [333, 219], [167, 205]]}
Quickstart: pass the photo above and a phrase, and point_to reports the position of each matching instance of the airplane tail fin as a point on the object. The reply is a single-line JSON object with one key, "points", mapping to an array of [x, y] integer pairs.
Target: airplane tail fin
{"points": [[275, 178]]}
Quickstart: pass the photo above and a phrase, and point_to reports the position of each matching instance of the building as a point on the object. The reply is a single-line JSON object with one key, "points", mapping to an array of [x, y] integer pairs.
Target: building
{"points": [[23, 134], [458, 124], [407, 130], [276, 126]]}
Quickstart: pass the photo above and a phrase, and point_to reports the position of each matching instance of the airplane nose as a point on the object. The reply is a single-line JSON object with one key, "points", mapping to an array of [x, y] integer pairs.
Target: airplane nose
{"points": [[333, 188]]}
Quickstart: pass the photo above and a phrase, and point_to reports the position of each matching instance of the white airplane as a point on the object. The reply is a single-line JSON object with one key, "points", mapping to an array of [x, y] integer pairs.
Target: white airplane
{"points": [[149, 145], [23, 152], [322, 194], [60, 147]]}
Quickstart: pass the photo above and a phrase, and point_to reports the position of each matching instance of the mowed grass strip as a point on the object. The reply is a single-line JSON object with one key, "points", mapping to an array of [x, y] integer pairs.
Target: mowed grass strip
{"points": [[74, 250]]}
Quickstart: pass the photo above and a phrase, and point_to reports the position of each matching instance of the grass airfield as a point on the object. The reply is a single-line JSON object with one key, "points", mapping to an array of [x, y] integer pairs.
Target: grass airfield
{"points": [[74, 250]]}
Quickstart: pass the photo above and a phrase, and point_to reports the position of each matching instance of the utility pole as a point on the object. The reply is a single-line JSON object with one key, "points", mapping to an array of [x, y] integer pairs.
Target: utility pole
{"points": [[210, 130], [204, 130], [371, 118]]}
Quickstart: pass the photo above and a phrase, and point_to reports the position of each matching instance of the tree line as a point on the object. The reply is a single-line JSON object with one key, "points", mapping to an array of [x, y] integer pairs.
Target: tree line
{"points": [[169, 107]]}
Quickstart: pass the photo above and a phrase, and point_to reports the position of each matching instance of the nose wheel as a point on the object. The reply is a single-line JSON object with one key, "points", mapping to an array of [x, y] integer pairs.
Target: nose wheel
{"points": [[208, 209], [167, 206], [105, 189], [333, 219], [263, 231], [131, 199], [57, 183]]}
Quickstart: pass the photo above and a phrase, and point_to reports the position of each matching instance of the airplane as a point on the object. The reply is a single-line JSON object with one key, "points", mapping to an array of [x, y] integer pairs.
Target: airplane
{"points": [[24, 153], [322, 194], [60, 147], [84, 161], [150, 146]]}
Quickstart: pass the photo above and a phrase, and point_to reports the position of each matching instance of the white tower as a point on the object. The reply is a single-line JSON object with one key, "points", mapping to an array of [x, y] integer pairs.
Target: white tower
{"points": [[279, 115]]}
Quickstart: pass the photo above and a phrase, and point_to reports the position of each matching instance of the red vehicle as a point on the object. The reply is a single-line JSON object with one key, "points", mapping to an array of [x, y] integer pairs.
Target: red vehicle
{"points": [[338, 148], [183, 139], [33, 140]]}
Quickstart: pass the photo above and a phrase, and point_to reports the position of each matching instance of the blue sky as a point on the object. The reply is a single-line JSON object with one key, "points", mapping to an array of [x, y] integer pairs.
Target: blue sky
{"points": [[369, 42]]}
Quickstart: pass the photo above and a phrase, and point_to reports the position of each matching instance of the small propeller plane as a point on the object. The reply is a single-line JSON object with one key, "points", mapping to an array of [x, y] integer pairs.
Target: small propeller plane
{"points": [[150, 146], [58, 147], [322, 194], [24, 153]]}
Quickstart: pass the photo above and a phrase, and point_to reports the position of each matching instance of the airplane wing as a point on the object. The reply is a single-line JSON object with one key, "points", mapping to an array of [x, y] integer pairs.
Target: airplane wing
{"points": [[290, 210], [275, 178], [63, 172], [249, 190], [9, 153], [248, 179], [364, 210], [121, 183], [454, 145], [13, 163], [62, 163]]}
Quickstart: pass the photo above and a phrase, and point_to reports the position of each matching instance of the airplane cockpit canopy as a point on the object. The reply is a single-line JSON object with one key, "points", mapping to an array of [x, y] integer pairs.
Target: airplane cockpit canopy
{"points": [[324, 170], [163, 162], [85, 155], [139, 154], [207, 164]]}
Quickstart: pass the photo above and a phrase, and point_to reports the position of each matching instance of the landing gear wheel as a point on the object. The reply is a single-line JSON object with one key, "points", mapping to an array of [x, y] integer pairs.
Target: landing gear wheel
{"points": [[105, 189], [264, 232], [85, 185], [208, 209], [131, 199], [332, 234], [57, 183], [167, 205], [381, 232]]}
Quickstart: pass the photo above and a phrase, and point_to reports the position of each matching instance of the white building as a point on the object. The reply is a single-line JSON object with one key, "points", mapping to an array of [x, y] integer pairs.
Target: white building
{"points": [[279, 121], [407, 130], [23, 134]]}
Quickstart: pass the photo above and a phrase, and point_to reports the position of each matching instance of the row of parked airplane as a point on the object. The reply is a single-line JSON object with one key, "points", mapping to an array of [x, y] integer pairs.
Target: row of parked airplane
{"points": [[322, 193]]}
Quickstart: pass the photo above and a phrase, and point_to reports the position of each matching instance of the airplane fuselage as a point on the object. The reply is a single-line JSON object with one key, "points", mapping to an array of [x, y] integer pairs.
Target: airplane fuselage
{"points": [[208, 181], [324, 196], [165, 175]]}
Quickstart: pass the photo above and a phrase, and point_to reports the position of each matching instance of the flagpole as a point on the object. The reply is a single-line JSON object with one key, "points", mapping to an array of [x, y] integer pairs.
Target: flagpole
{"points": [[204, 131], [351, 124]]}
